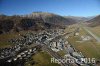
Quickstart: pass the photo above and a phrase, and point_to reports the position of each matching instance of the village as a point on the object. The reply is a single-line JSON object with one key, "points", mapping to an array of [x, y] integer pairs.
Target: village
{"points": [[29, 43]]}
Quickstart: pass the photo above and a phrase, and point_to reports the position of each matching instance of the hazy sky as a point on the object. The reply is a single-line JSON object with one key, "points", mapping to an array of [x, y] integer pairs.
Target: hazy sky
{"points": [[61, 7]]}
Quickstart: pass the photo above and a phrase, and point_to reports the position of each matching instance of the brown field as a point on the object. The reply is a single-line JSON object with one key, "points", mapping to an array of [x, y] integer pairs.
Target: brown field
{"points": [[41, 59]]}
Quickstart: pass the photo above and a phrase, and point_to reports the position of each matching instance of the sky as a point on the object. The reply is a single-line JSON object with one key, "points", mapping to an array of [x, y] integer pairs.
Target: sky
{"points": [[60, 7]]}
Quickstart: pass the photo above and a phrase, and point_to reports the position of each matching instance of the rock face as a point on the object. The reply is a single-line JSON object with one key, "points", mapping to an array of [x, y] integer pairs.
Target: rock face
{"points": [[35, 21]]}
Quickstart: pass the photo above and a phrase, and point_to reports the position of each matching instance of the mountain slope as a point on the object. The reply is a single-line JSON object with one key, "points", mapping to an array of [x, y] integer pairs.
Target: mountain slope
{"points": [[35, 21], [94, 22], [50, 18], [76, 18]]}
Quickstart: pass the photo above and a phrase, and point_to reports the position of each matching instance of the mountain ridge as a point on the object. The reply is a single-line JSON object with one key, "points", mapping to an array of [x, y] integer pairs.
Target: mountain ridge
{"points": [[35, 21], [94, 22]]}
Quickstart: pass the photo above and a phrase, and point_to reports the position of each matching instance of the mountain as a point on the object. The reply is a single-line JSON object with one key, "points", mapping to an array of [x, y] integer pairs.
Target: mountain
{"points": [[50, 18], [77, 18], [94, 22], [35, 21]]}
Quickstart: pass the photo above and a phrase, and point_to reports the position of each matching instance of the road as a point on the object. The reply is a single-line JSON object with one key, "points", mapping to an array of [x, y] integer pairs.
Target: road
{"points": [[54, 54], [92, 34]]}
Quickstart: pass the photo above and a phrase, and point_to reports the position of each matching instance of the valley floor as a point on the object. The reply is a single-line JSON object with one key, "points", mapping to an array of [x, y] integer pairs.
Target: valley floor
{"points": [[89, 48]]}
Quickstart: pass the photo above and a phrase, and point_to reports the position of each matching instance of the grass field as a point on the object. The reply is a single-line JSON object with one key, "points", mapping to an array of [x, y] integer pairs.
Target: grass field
{"points": [[42, 59], [96, 30], [90, 49], [4, 44], [61, 53], [4, 38], [12, 35]]}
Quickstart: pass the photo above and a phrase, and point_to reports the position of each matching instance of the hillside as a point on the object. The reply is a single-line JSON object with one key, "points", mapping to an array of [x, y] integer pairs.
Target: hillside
{"points": [[77, 18], [35, 21], [50, 18], [94, 22]]}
